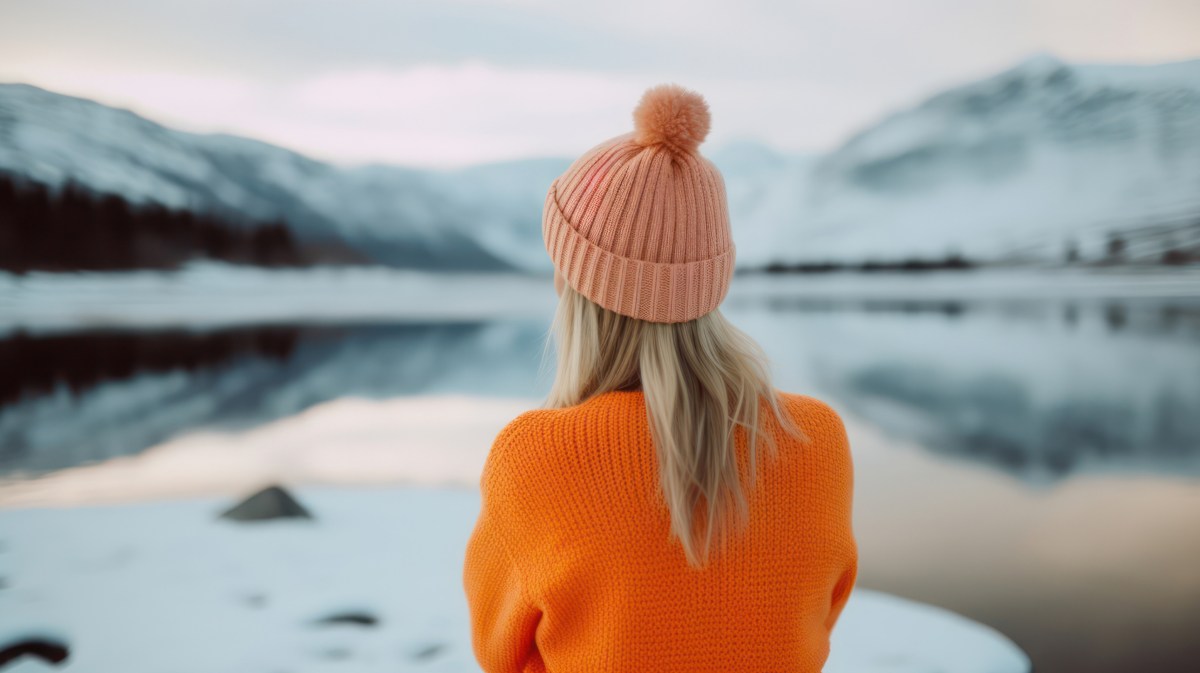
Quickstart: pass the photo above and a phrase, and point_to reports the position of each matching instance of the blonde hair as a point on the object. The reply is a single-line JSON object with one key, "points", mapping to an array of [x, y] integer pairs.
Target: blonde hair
{"points": [[702, 380]]}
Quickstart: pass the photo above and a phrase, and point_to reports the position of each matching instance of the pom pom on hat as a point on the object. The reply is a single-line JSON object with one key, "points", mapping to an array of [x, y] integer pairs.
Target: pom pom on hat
{"points": [[619, 230], [672, 115]]}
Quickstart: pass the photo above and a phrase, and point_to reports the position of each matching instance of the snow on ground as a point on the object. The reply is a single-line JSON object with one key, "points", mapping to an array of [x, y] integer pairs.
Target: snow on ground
{"points": [[158, 582], [168, 586], [208, 294]]}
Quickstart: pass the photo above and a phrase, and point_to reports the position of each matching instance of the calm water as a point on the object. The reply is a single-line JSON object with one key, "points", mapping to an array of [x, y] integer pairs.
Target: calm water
{"points": [[1032, 464]]}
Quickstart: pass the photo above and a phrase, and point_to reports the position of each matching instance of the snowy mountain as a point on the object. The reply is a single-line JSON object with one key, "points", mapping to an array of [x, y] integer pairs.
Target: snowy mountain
{"points": [[1019, 163], [397, 215], [480, 217], [1025, 163], [766, 192]]}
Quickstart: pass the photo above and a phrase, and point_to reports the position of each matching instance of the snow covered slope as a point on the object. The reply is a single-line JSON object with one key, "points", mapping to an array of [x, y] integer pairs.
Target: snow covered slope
{"points": [[766, 192], [1021, 162], [401, 216]]}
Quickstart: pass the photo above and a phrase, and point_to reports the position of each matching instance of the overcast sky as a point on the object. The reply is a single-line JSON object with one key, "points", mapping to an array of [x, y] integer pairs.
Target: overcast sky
{"points": [[463, 81]]}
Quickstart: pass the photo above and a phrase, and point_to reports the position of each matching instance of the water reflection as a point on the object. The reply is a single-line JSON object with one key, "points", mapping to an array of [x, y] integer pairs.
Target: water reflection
{"points": [[1094, 574], [995, 418], [1038, 388], [85, 397], [80, 361]]}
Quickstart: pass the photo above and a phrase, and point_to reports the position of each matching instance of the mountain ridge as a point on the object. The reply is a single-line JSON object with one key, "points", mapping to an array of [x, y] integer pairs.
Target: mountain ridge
{"points": [[1040, 156]]}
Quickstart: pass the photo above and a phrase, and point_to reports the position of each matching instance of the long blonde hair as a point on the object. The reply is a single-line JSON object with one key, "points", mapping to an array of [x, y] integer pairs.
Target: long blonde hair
{"points": [[702, 380]]}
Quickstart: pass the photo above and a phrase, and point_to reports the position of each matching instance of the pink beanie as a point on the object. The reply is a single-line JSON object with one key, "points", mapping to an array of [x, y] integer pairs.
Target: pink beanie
{"points": [[639, 224]]}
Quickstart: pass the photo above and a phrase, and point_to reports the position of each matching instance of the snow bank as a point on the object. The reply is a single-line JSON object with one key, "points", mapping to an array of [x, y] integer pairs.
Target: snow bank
{"points": [[211, 294]]}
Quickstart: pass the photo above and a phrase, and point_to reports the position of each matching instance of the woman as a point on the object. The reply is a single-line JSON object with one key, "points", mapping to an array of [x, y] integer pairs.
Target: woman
{"points": [[629, 526]]}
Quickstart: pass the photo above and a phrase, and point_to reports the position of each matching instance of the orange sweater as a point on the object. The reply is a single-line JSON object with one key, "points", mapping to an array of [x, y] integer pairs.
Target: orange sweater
{"points": [[569, 568]]}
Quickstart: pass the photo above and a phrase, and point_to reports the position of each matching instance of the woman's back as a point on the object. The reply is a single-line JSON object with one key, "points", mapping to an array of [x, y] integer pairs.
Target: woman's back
{"points": [[632, 525], [571, 566]]}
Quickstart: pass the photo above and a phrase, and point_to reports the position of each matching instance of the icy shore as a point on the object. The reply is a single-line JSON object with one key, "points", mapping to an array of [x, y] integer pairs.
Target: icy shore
{"points": [[210, 295]]}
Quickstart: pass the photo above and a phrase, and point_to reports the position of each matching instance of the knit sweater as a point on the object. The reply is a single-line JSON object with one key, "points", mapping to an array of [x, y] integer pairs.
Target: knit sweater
{"points": [[569, 568]]}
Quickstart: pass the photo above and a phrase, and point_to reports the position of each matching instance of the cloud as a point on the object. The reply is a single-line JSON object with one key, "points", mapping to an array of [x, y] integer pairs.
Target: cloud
{"points": [[465, 81], [473, 111], [436, 114]]}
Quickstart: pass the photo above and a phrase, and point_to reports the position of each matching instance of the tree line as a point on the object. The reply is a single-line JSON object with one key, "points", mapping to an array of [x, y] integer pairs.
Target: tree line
{"points": [[75, 229], [953, 261]]}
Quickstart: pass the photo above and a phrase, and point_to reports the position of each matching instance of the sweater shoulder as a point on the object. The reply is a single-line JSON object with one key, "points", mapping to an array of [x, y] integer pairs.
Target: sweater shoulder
{"points": [[526, 426], [518, 438], [821, 423], [542, 444], [548, 427], [815, 412]]}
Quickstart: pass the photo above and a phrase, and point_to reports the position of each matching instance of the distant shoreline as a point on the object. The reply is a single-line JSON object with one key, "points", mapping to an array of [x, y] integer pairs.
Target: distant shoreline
{"points": [[208, 295]]}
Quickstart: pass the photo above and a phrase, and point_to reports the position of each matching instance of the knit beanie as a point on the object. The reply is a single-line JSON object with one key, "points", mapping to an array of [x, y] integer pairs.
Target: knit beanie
{"points": [[639, 224]]}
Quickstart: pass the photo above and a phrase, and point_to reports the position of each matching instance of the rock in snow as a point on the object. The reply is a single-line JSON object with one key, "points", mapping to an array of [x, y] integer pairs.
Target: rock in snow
{"points": [[272, 502], [50, 650], [351, 618]]}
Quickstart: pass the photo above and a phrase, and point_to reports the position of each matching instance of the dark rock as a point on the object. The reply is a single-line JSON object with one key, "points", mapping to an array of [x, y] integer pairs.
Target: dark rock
{"points": [[357, 618], [272, 502], [51, 651], [428, 652]]}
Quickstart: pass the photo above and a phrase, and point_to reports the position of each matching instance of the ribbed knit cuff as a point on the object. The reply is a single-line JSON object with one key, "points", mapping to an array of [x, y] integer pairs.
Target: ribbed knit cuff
{"points": [[654, 291]]}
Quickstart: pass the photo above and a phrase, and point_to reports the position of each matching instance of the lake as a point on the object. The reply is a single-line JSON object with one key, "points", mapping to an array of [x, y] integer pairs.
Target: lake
{"points": [[1027, 445]]}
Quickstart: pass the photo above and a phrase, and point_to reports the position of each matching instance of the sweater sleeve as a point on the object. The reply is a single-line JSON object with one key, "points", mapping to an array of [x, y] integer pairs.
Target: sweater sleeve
{"points": [[847, 545], [842, 590], [503, 618]]}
